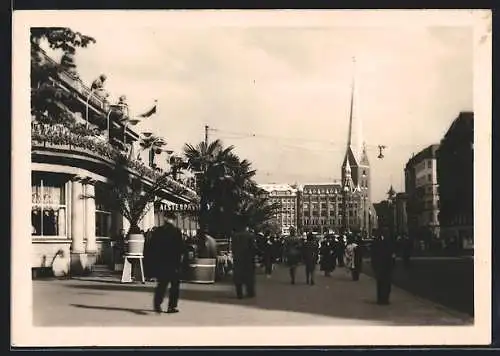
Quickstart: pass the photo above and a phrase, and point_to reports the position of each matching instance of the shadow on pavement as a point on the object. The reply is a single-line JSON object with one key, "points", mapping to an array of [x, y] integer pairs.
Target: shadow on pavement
{"points": [[336, 297], [135, 311]]}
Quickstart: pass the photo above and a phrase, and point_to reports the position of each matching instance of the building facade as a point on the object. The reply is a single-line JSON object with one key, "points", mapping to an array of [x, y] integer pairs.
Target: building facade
{"points": [[455, 175], [421, 187], [321, 206], [286, 196], [73, 222]]}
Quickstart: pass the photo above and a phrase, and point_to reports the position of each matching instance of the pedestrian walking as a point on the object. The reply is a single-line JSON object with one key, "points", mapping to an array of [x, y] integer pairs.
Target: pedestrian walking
{"points": [[327, 253], [310, 257], [167, 251], [353, 257], [268, 256], [383, 263], [244, 252], [340, 249], [293, 252], [406, 251]]}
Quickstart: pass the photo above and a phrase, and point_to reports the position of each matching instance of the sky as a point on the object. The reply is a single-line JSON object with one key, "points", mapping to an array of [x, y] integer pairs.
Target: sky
{"points": [[281, 95]]}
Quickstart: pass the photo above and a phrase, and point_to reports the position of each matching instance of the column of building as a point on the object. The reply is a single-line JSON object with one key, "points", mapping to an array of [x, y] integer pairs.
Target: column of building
{"points": [[77, 258], [90, 223]]}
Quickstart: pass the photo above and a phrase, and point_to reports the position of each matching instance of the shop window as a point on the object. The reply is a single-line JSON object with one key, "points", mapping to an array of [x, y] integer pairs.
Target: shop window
{"points": [[48, 209], [103, 215]]}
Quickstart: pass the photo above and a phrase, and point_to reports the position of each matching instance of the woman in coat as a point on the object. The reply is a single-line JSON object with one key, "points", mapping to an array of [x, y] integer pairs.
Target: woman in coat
{"points": [[353, 258]]}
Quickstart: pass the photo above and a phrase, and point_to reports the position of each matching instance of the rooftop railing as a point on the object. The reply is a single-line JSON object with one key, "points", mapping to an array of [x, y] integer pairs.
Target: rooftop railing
{"points": [[77, 85]]}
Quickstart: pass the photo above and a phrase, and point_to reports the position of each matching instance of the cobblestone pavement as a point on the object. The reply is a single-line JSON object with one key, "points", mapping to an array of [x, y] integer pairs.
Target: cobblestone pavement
{"points": [[103, 301]]}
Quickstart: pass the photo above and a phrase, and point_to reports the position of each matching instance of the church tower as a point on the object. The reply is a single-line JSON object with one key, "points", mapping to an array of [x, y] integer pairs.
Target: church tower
{"points": [[356, 163]]}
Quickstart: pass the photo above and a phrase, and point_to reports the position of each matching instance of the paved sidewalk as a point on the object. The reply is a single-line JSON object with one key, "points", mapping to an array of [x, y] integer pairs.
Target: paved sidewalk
{"points": [[103, 301]]}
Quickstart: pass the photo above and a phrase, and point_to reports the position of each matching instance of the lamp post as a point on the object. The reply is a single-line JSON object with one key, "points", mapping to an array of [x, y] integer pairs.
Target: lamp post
{"points": [[365, 225], [346, 212], [156, 144]]}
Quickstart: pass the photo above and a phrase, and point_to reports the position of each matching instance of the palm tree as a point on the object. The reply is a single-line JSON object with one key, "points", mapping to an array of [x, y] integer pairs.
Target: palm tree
{"points": [[202, 160], [229, 196]]}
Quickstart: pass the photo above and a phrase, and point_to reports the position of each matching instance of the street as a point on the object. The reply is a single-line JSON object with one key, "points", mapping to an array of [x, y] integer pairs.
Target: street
{"points": [[447, 281], [103, 301]]}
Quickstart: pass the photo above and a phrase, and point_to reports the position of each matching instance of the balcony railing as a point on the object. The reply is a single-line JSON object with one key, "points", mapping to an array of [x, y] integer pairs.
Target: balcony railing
{"points": [[77, 85], [61, 137]]}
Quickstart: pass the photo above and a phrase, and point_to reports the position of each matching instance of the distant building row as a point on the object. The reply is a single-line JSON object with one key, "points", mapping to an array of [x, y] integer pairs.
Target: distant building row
{"points": [[319, 208], [437, 205]]}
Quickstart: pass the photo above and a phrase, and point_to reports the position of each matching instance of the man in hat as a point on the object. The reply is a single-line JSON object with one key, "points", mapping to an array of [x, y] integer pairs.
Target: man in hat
{"points": [[310, 257], [167, 250], [244, 251]]}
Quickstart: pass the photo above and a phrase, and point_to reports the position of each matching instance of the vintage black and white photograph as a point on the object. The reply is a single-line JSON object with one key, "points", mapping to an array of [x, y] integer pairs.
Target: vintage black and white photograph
{"points": [[295, 176]]}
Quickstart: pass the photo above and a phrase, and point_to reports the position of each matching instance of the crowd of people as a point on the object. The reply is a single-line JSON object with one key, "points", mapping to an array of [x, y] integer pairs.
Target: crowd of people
{"points": [[168, 252]]}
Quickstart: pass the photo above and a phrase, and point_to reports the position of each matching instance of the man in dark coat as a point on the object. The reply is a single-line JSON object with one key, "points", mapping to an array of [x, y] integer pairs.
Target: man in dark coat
{"points": [[310, 257], [383, 263], [327, 252], [293, 255], [167, 250], [244, 252]]}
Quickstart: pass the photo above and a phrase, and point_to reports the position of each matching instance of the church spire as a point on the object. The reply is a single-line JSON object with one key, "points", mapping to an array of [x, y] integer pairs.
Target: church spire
{"points": [[351, 107], [354, 149]]}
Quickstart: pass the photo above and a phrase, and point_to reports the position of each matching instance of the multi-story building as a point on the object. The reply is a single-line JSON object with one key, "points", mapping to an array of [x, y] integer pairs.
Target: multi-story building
{"points": [[455, 175], [421, 187], [321, 206], [72, 218], [286, 196]]}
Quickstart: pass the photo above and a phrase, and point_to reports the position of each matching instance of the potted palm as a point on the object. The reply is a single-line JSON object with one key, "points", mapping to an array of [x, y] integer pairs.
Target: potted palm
{"points": [[133, 197]]}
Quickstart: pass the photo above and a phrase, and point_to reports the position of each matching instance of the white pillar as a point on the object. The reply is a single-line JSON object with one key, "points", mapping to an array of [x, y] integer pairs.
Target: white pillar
{"points": [[125, 224], [77, 211], [151, 215], [91, 246]]}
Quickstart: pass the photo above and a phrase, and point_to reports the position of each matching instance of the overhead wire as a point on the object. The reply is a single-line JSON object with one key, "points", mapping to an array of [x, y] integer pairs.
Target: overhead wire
{"points": [[335, 146], [296, 143]]}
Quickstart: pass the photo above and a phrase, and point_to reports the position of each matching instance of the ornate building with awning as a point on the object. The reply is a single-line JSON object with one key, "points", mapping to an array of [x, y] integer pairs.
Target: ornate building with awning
{"points": [[71, 178]]}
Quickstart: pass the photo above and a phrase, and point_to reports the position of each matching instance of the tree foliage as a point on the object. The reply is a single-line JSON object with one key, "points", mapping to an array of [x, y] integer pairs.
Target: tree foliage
{"points": [[230, 198], [131, 195], [48, 101]]}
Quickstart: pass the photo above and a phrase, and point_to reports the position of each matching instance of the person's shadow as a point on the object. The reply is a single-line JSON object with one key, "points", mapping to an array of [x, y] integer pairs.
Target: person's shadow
{"points": [[135, 311]]}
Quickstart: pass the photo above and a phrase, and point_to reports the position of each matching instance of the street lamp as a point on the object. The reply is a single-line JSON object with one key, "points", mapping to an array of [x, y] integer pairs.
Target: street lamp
{"points": [[126, 122], [156, 145], [364, 190], [346, 212], [97, 85]]}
